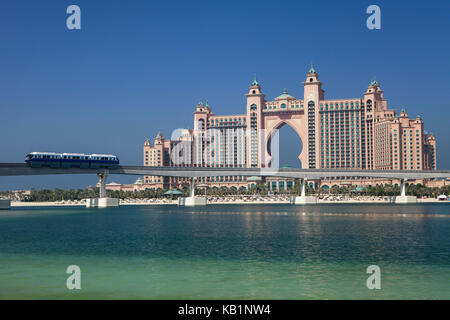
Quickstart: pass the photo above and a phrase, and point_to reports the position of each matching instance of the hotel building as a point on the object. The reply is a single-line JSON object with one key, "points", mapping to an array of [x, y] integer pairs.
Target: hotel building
{"points": [[357, 133]]}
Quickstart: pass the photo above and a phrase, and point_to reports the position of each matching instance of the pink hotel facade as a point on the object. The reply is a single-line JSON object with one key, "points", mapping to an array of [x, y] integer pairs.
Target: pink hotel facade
{"points": [[335, 133]]}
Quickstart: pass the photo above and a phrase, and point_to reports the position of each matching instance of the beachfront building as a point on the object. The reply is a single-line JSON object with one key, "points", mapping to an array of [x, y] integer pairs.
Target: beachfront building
{"points": [[335, 133]]}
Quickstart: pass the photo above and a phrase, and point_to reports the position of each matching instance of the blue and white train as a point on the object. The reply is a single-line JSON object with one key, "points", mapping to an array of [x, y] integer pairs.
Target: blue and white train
{"points": [[69, 160]]}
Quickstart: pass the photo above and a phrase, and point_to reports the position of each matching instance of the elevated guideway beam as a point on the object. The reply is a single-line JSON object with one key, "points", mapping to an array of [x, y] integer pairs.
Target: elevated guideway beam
{"points": [[21, 169]]}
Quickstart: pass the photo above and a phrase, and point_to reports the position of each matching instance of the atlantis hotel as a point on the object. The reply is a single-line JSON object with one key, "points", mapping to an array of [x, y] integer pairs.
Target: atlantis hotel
{"points": [[335, 133]]}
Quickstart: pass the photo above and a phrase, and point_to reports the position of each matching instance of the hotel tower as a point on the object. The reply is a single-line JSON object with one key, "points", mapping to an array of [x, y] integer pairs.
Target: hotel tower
{"points": [[357, 133]]}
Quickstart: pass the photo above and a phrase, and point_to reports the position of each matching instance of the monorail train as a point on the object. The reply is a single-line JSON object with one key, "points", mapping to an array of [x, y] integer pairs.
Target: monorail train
{"points": [[69, 160]]}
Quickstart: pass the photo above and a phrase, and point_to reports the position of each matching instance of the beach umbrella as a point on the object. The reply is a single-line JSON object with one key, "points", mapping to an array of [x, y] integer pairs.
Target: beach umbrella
{"points": [[176, 192], [169, 192]]}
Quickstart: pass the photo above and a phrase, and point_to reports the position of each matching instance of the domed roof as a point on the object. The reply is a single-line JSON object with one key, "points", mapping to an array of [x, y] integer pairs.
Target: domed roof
{"points": [[285, 96]]}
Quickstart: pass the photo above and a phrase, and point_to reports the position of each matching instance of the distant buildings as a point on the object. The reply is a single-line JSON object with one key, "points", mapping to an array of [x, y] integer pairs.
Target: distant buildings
{"points": [[336, 133]]}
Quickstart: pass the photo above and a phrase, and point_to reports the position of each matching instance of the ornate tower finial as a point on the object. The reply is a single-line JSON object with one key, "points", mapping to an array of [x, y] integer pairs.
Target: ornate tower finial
{"points": [[374, 82], [312, 70], [255, 82]]}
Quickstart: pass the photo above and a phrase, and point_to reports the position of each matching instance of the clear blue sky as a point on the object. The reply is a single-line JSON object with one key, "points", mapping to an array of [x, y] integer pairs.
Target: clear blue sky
{"points": [[137, 67]]}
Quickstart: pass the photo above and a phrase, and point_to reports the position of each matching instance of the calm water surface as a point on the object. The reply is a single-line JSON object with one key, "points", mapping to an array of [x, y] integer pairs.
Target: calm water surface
{"points": [[227, 252]]}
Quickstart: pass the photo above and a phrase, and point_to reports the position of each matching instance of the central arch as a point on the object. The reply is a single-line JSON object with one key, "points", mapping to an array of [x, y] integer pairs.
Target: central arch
{"points": [[273, 123]]}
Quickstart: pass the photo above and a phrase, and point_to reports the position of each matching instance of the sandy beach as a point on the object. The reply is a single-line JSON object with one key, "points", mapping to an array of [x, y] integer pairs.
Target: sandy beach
{"points": [[225, 200]]}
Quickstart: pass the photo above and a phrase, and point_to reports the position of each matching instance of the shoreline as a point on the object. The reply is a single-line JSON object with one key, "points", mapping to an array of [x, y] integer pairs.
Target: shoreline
{"points": [[18, 204]]}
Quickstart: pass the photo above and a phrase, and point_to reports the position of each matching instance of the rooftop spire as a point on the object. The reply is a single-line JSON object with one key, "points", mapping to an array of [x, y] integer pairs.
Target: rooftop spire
{"points": [[312, 70], [255, 82], [374, 82]]}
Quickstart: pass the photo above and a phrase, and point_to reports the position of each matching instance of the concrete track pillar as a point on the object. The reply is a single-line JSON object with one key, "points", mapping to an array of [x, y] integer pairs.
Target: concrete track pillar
{"points": [[192, 200], [5, 204], [304, 199], [102, 181], [403, 198], [103, 201]]}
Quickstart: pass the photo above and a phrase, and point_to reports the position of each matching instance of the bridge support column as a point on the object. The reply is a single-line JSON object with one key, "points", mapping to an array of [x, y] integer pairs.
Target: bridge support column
{"points": [[192, 200], [103, 201], [303, 199], [102, 181], [403, 198], [5, 204]]}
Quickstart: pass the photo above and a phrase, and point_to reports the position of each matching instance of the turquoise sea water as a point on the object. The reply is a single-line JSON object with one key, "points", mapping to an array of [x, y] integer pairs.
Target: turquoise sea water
{"points": [[227, 252]]}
